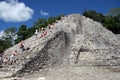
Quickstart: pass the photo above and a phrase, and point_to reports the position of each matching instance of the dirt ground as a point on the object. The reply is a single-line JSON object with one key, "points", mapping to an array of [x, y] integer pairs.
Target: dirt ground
{"points": [[74, 73]]}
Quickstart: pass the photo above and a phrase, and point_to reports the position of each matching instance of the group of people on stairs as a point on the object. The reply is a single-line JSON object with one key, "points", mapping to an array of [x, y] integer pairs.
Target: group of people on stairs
{"points": [[11, 59], [43, 31]]}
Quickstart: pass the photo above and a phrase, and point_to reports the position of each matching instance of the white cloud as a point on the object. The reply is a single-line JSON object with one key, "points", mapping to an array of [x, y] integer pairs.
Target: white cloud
{"points": [[14, 11], [44, 13]]}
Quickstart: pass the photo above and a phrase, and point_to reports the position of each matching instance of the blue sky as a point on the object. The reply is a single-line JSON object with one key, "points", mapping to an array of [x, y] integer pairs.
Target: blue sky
{"points": [[14, 13]]}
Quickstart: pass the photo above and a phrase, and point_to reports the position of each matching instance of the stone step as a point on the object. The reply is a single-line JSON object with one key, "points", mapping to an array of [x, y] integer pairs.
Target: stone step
{"points": [[5, 74], [6, 69]]}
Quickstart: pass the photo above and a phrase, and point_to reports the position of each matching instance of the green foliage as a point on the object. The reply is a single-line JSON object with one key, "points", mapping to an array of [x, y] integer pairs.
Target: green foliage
{"points": [[117, 18], [94, 15], [10, 30], [30, 32], [40, 23], [114, 12], [8, 38], [4, 44], [22, 33], [51, 20], [59, 17], [110, 22]]}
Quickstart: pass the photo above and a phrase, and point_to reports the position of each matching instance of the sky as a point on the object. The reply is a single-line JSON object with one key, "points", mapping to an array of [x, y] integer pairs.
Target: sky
{"points": [[14, 13]]}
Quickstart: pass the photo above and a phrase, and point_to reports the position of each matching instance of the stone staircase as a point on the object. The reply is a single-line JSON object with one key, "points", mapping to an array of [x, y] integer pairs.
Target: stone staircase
{"points": [[75, 49]]}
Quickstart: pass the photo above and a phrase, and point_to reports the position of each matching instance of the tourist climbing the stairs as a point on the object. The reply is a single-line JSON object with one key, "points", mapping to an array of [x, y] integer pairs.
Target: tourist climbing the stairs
{"points": [[42, 31], [36, 33], [43, 34], [21, 47]]}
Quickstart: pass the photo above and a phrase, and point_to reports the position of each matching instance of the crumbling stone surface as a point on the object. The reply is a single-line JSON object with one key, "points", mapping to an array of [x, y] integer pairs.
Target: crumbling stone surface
{"points": [[74, 40]]}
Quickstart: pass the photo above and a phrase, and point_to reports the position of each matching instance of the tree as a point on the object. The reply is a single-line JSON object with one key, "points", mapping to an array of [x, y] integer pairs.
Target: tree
{"points": [[51, 20], [30, 31], [59, 17], [10, 34], [94, 15], [4, 44], [40, 23], [110, 22], [114, 12], [117, 18], [22, 33]]}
